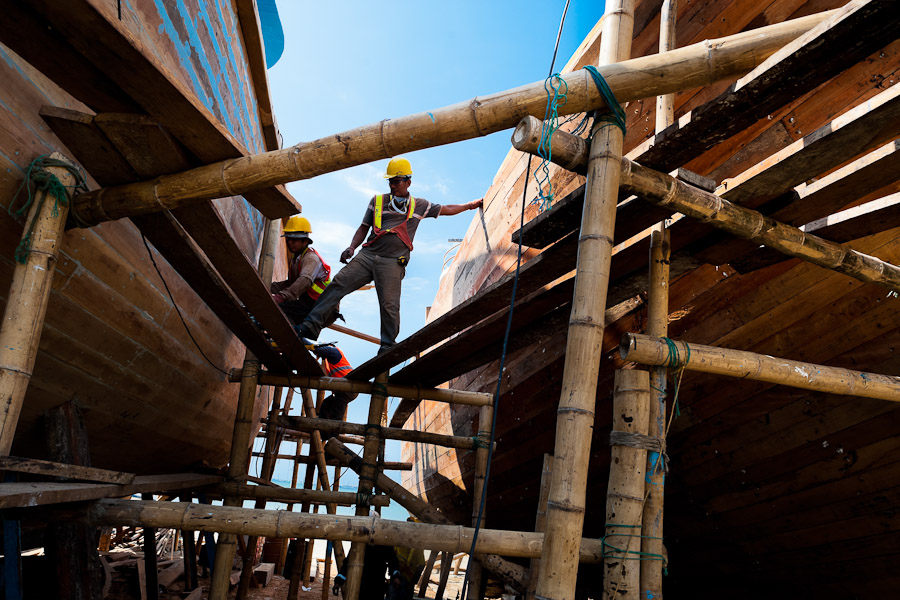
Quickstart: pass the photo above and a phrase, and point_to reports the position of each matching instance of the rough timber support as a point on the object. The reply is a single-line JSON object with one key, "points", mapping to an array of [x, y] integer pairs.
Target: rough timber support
{"points": [[686, 68], [749, 365], [540, 521], [485, 419], [26, 303], [241, 441], [625, 495], [509, 572], [575, 416], [368, 473]]}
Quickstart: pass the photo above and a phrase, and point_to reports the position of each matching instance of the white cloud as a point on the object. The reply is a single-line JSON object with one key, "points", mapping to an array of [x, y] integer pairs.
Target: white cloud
{"points": [[362, 179]]}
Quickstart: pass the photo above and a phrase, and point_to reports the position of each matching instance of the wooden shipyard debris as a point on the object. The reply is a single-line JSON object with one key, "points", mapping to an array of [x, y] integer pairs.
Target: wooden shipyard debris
{"points": [[677, 376]]}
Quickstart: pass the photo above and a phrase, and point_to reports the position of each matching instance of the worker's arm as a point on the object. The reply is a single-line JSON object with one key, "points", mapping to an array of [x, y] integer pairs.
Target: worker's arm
{"points": [[358, 238], [295, 290], [455, 209]]}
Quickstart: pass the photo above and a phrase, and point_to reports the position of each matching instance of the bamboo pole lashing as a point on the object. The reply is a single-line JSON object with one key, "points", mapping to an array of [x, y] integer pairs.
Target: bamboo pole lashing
{"points": [[391, 433], [758, 367], [27, 299], [625, 496], [268, 523], [342, 384], [575, 415], [682, 69]]}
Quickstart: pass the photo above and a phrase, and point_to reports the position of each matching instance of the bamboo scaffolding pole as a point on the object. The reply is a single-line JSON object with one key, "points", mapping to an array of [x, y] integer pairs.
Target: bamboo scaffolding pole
{"points": [[342, 384], [665, 103], [391, 433], [368, 474], [241, 441], [625, 495], [485, 419], [683, 69], [26, 302], [426, 573], [657, 325], [664, 190], [353, 333], [540, 520], [282, 559], [575, 415], [758, 367], [386, 466], [509, 572], [283, 494], [272, 523]]}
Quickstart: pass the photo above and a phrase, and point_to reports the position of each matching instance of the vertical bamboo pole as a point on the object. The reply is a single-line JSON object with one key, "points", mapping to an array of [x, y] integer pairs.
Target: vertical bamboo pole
{"points": [[658, 325], [575, 416], [658, 313], [241, 441], [446, 564], [485, 419], [540, 522], [367, 475], [625, 497], [26, 302], [298, 452]]}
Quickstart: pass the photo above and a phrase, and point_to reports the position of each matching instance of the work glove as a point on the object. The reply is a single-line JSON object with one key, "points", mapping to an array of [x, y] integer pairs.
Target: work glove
{"points": [[277, 298], [347, 254]]}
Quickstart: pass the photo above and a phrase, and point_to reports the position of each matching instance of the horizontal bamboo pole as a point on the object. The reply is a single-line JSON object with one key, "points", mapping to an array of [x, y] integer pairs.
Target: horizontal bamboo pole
{"points": [[648, 350], [342, 384], [682, 69], [353, 333], [280, 494], [390, 433], [306, 460], [664, 190], [511, 573], [283, 524]]}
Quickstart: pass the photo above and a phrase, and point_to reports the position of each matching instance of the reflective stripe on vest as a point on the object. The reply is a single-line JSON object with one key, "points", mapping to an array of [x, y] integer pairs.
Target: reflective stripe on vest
{"points": [[318, 286], [341, 368], [401, 230]]}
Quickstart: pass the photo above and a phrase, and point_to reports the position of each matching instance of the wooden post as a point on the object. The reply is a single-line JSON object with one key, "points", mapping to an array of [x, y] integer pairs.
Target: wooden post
{"points": [[279, 567], [686, 68], [540, 521], [426, 574], [189, 554], [151, 570], [26, 302], [241, 442], [625, 496], [446, 564], [368, 473], [485, 419], [71, 546], [657, 325], [575, 416]]}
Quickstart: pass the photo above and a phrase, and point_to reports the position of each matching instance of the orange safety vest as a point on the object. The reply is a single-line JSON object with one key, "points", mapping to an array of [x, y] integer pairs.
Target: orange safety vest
{"points": [[339, 369], [401, 230], [318, 286]]}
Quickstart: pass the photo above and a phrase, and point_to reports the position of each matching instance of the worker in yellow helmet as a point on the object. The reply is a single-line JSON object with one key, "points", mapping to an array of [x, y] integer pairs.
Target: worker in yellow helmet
{"points": [[308, 274], [393, 219]]}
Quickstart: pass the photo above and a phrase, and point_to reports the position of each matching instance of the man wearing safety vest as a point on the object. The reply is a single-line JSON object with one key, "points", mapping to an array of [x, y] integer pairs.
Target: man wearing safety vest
{"points": [[308, 274], [336, 365], [393, 219]]}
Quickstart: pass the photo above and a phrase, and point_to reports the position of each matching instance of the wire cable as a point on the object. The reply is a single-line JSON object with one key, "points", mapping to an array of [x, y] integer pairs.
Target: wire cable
{"points": [[512, 303]]}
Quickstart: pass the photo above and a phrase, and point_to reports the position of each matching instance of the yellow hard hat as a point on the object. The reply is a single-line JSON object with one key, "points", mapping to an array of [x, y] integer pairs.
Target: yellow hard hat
{"points": [[398, 167], [297, 227]]}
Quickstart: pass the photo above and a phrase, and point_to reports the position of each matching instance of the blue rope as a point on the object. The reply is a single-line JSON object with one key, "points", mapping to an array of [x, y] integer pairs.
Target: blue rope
{"points": [[556, 88]]}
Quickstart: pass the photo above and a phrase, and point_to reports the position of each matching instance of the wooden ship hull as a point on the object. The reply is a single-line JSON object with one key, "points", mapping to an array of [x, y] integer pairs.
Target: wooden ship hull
{"points": [[772, 489], [130, 93]]}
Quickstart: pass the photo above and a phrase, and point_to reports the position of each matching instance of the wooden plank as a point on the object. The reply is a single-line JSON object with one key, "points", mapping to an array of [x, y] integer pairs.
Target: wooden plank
{"points": [[55, 469], [170, 574], [106, 44], [141, 140], [34, 494]]}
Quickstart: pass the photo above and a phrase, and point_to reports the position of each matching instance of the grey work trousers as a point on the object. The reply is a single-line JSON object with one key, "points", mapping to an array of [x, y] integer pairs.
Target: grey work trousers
{"points": [[364, 268]]}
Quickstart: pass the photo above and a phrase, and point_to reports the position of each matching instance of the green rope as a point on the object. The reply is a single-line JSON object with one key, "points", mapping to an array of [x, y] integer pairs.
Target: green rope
{"points": [[556, 88], [363, 498], [625, 553], [614, 114], [674, 362], [480, 442], [379, 389], [37, 178]]}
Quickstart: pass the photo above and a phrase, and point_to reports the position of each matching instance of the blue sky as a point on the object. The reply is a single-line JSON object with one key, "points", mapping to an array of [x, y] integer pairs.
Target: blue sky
{"points": [[351, 63]]}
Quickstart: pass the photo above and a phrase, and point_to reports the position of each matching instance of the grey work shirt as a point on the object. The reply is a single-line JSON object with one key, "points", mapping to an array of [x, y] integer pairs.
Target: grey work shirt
{"points": [[390, 244]]}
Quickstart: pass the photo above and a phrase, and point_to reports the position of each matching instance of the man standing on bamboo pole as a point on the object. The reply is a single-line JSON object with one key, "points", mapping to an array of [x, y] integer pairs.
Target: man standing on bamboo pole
{"points": [[393, 219]]}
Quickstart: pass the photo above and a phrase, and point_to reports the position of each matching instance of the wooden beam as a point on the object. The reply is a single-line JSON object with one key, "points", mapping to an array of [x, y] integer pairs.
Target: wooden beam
{"points": [[737, 363], [685, 68], [390, 433], [100, 39], [387, 465], [55, 469], [280, 494]]}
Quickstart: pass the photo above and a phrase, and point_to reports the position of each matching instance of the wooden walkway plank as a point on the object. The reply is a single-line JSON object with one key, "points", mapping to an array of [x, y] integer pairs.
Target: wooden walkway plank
{"points": [[14, 495], [56, 469]]}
